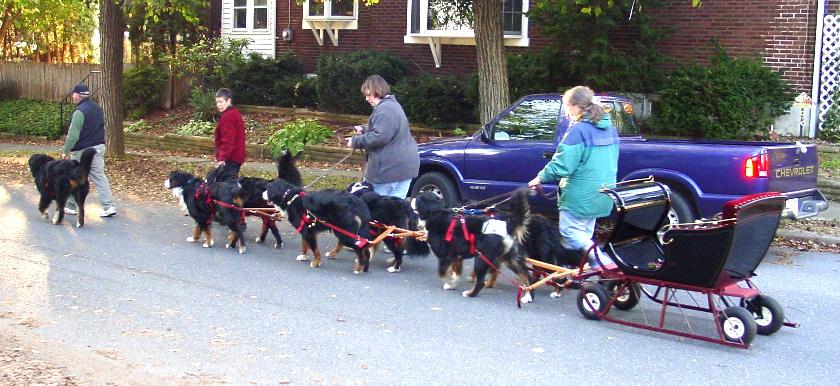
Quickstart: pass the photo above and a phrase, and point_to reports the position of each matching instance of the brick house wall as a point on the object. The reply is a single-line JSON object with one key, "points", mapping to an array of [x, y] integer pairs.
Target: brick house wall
{"points": [[780, 32]]}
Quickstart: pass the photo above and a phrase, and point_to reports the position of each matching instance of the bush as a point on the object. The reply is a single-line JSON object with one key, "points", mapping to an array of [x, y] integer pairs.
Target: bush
{"points": [[831, 126], [295, 135], [36, 118], [436, 102], [196, 128], [733, 98], [341, 75], [532, 73], [265, 81], [141, 89], [137, 126], [204, 103]]}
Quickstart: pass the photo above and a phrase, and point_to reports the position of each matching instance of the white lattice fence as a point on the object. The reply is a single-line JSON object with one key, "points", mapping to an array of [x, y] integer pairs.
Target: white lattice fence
{"points": [[830, 66]]}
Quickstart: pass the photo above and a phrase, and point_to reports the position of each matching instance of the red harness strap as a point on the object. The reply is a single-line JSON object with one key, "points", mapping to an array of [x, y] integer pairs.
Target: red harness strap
{"points": [[309, 218], [202, 193], [450, 231], [230, 206]]}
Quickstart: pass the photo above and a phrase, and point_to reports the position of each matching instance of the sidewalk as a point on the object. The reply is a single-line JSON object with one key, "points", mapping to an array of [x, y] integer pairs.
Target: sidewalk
{"points": [[258, 166]]}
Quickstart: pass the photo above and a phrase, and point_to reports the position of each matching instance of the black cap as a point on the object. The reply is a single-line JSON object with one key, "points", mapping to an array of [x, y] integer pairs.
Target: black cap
{"points": [[81, 89]]}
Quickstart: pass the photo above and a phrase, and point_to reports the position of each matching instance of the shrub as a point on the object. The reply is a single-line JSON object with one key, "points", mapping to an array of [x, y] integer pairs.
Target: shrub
{"points": [[531, 73], [295, 135], [341, 75], [36, 118], [141, 89], [437, 102], [266, 81], [732, 98], [137, 126], [196, 128], [204, 103], [831, 126]]}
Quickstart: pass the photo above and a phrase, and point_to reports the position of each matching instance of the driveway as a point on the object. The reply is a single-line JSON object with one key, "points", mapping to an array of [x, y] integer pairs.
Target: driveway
{"points": [[127, 300]]}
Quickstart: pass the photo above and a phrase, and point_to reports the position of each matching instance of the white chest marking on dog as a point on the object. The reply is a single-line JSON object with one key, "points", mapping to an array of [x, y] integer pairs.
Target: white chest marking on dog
{"points": [[498, 227], [179, 194]]}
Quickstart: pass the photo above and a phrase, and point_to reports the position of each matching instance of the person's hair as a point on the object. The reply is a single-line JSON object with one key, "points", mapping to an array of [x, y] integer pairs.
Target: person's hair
{"points": [[224, 93], [583, 97], [377, 86]]}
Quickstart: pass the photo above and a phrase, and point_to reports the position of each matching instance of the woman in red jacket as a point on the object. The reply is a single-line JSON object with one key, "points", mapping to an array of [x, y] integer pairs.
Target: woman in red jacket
{"points": [[230, 134]]}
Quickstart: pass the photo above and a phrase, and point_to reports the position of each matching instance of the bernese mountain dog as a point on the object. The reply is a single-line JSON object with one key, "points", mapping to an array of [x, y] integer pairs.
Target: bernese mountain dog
{"points": [[57, 180], [199, 197], [455, 236], [252, 192], [307, 212], [389, 211]]}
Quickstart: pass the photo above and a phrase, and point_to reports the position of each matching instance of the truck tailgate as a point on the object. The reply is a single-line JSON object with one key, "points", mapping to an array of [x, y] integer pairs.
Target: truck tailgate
{"points": [[793, 171]]}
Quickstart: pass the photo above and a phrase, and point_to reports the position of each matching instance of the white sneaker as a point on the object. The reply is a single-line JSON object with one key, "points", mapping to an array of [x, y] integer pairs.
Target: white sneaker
{"points": [[71, 212], [108, 212]]}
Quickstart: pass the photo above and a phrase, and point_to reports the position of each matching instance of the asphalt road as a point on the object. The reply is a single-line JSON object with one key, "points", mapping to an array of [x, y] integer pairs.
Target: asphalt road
{"points": [[155, 309]]}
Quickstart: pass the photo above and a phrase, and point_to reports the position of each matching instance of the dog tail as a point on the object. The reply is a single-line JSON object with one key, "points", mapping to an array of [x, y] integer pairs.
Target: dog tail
{"points": [[86, 161], [287, 170], [414, 247], [516, 212]]}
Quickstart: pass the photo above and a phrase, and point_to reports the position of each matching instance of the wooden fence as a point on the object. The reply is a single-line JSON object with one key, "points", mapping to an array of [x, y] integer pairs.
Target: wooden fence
{"points": [[52, 82]]}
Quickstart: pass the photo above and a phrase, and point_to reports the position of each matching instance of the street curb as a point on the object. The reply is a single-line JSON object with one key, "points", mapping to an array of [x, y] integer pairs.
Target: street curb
{"points": [[807, 236]]}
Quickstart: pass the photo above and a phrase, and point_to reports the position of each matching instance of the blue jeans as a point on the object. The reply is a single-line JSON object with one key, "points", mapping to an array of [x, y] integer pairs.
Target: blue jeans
{"points": [[577, 235], [396, 189]]}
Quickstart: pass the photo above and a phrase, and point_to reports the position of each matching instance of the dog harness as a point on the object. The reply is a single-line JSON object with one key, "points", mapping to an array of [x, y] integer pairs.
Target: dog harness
{"points": [[202, 194], [450, 231]]}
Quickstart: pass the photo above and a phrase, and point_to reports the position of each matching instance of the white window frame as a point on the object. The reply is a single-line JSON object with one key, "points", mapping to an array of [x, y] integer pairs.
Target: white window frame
{"points": [[457, 37], [254, 14], [330, 24], [249, 18]]}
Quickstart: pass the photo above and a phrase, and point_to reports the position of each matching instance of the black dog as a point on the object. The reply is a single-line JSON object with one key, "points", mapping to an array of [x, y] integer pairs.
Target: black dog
{"points": [[199, 198], [58, 180], [389, 211], [253, 188], [455, 236], [306, 210]]}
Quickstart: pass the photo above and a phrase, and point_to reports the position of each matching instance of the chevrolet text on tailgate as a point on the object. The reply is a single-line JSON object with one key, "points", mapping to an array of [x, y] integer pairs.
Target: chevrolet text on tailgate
{"points": [[702, 175]]}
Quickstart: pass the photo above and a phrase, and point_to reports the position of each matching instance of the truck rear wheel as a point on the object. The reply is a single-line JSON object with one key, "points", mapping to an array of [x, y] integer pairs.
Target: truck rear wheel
{"points": [[439, 184], [680, 211]]}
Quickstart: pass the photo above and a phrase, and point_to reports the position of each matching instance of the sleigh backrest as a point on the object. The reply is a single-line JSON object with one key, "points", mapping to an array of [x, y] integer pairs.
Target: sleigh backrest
{"points": [[756, 218]]}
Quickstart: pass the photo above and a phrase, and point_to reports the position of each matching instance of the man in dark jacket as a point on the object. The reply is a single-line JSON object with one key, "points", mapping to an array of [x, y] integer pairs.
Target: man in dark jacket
{"points": [[87, 129], [230, 134], [392, 159]]}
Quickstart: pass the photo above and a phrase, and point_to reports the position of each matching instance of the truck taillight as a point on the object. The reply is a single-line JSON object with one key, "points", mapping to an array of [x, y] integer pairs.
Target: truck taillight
{"points": [[757, 166]]}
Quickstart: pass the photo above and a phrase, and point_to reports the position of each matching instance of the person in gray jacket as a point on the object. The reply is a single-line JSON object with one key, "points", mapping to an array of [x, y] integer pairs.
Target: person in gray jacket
{"points": [[391, 152]]}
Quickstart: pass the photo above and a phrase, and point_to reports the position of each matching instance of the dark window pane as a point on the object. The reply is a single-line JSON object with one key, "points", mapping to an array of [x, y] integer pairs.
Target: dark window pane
{"points": [[239, 3], [316, 8], [260, 3], [533, 120], [260, 18], [342, 8], [239, 18], [415, 16], [512, 17]]}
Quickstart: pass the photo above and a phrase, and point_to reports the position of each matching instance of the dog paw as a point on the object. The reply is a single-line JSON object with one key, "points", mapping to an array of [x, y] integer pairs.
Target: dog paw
{"points": [[302, 258], [78, 225], [393, 269], [206, 245], [191, 240], [448, 286], [258, 240], [556, 294], [55, 220], [241, 249], [45, 214], [278, 245], [467, 294], [331, 255], [526, 298], [228, 246], [315, 264]]}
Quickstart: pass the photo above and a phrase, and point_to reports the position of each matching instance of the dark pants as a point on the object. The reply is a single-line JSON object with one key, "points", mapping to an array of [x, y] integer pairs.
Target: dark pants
{"points": [[232, 168]]}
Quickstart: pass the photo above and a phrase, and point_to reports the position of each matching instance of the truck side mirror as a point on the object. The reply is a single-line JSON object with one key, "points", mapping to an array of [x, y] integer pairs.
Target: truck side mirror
{"points": [[487, 134]]}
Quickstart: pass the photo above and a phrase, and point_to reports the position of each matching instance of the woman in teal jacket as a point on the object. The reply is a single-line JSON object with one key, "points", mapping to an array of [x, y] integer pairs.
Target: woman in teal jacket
{"points": [[585, 161]]}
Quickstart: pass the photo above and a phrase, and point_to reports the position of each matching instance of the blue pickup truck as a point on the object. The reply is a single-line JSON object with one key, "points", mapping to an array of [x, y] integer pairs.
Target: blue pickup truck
{"points": [[702, 175]]}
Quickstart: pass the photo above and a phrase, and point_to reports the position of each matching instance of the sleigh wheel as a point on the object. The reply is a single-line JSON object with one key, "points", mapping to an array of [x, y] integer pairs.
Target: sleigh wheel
{"points": [[738, 325], [628, 299], [592, 300], [767, 312]]}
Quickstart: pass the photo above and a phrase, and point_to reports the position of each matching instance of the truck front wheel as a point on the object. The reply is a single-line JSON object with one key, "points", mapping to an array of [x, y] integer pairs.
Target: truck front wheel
{"points": [[438, 184]]}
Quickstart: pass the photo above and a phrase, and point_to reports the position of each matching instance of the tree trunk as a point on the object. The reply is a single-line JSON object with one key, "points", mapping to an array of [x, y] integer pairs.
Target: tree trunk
{"points": [[493, 92], [111, 30]]}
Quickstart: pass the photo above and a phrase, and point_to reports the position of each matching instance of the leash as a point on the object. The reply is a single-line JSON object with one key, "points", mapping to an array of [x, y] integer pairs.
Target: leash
{"points": [[327, 172]]}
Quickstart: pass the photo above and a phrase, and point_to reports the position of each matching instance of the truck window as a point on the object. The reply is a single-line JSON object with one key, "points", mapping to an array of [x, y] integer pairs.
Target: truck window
{"points": [[531, 120], [622, 116]]}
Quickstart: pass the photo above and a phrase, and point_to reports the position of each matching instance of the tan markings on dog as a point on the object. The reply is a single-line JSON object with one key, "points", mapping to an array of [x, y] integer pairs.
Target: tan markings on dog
{"points": [[230, 238], [74, 184], [196, 233], [458, 267], [208, 236], [333, 254], [316, 262], [494, 274], [237, 201]]}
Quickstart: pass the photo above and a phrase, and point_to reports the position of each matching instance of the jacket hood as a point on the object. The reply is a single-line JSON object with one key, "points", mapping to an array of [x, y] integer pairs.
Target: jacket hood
{"points": [[603, 124]]}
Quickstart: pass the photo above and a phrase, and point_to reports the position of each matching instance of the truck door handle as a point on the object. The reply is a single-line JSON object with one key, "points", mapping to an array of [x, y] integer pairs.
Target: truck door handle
{"points": [[548, 154]]}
